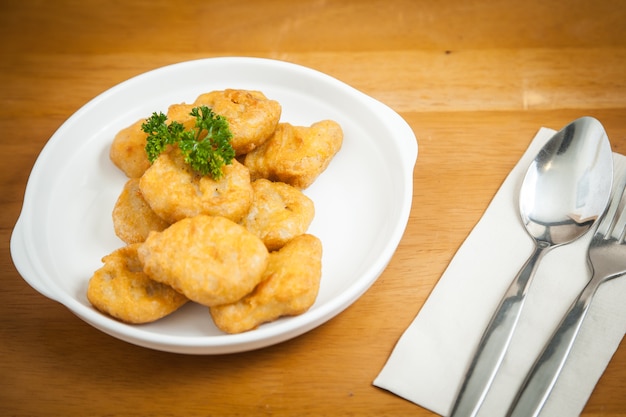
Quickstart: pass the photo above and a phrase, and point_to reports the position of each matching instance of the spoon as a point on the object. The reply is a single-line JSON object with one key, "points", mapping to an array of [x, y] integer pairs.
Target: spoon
{"points": [[564, 192]]}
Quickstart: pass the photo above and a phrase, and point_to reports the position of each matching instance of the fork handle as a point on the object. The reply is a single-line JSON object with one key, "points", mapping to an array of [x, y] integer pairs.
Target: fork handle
{"points": [[495, 340], [539, 382]]}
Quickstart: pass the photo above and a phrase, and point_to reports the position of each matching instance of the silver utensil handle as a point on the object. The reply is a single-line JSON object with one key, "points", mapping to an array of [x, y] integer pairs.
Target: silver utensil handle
{"points": [[495, 341], [539, 382]]}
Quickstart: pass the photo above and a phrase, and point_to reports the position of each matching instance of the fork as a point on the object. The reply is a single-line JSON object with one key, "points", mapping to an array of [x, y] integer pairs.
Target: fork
{"points": [[607, 259]]}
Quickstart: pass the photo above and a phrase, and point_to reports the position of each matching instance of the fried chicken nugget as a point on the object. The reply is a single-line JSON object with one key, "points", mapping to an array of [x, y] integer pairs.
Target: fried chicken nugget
{"points": [[279, 212], [133, 218], [128, 150], [175, 191], [210, 259], [290, 287], [252, 117], [122, 290], [296, 155], [181, 113]]}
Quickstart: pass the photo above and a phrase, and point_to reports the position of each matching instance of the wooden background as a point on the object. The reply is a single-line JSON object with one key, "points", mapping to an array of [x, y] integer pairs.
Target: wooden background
{"points": [[474, 79]]}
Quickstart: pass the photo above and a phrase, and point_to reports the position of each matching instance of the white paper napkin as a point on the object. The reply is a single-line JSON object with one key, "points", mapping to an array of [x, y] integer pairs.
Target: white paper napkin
{"points": [[429, 361]]}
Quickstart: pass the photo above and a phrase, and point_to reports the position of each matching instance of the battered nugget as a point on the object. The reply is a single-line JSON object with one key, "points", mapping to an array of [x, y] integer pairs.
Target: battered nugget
{"points": [[279, 212], [175, 191], [252, 117], [122, 290], [210, 259], [290, 286], [181, 113], [133, 218], [128, 150], [296, 155]]}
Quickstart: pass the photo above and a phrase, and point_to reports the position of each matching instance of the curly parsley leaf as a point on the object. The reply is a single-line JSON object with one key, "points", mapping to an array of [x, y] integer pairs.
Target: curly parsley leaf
{"points": [[206, 148]]}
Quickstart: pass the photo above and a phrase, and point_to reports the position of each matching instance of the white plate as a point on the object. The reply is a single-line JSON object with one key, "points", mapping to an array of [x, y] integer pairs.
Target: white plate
{"points": [[362, 200]]}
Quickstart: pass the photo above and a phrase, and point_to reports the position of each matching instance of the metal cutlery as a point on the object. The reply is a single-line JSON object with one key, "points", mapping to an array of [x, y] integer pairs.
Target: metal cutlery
{"points": [[565, 190], [607, 258]]}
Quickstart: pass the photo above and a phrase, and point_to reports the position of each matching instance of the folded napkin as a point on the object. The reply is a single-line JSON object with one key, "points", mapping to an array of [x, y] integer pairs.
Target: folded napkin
{"points": [[430, 359]]}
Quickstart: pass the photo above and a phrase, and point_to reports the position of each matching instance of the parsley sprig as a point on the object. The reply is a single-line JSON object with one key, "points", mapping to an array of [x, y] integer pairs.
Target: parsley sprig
{"points": [[206, 148]]}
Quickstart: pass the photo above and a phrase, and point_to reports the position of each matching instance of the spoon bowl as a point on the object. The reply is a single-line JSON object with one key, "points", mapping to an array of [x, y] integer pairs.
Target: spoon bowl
{"points": [[567, 186], [564, 192]]}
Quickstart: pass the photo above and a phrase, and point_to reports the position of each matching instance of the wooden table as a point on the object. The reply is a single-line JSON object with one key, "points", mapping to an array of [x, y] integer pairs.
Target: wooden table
{"points": [[475, 80]]}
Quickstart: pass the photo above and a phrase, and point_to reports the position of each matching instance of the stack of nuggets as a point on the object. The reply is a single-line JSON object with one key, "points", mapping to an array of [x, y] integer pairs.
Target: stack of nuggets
{"points": [[238, 244]]}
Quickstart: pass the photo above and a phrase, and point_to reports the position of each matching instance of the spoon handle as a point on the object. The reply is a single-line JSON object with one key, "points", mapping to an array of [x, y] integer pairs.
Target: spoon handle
{"points": [[541, 379], [495, 340]]}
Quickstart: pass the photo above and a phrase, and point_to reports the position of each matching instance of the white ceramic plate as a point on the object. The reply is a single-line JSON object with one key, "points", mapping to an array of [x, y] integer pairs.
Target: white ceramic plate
{"points": [[362, 200]]}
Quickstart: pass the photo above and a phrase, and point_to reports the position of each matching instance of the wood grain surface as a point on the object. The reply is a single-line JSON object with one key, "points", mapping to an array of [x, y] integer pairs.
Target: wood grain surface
{"points": [[474, 79]]}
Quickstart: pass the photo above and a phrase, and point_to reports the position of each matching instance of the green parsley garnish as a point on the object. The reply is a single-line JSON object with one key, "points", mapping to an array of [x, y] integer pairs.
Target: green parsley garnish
{"points": [[206, 148]]}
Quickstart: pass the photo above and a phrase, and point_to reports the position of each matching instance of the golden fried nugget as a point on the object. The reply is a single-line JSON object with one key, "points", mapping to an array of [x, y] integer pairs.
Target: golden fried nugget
{"points": [[175, 191], [128, 150], [290, 286], [279, 212], [210, 259], [181, 113], [252, 117], [133, 218], [122, 290], [296, 155]]}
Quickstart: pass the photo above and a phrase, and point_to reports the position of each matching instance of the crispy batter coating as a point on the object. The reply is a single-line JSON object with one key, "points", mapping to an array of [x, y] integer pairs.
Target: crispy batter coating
{"points": [[122, 290], [296, 155], [133, 219], [279, 212], [210, 259], [175, 191], [290, 286], [252, 117], [181, 112], [128, 150]]}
